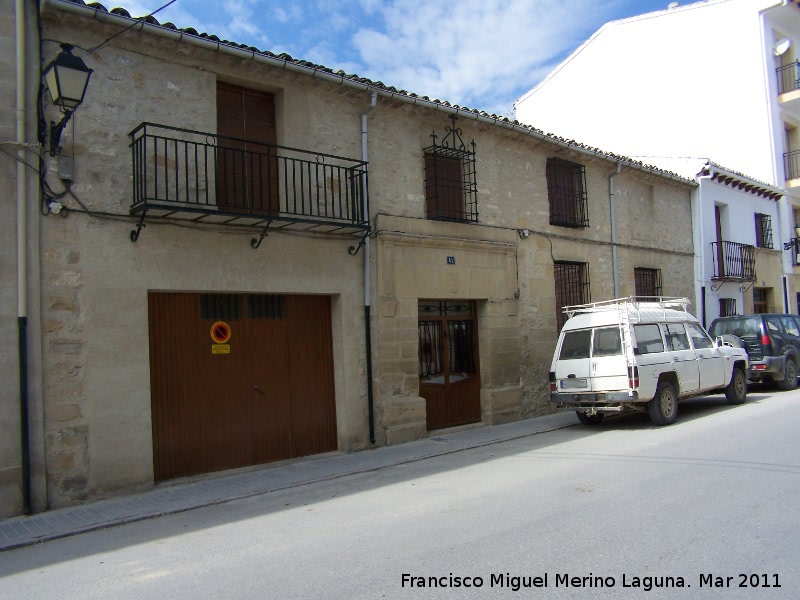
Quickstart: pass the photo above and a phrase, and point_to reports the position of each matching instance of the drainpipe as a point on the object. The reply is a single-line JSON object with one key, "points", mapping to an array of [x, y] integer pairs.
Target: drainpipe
{"points": [[22, 262], [614, 261], [367, 303]]}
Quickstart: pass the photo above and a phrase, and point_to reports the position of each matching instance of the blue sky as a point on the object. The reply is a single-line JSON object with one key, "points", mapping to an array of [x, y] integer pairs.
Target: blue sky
{"points": [[482, 54]]}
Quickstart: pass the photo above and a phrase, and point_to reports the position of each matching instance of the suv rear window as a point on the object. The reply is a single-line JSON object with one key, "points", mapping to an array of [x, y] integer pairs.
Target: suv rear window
{"points": [[606, 342], [577, 344], [648, 339], [742, 327]]}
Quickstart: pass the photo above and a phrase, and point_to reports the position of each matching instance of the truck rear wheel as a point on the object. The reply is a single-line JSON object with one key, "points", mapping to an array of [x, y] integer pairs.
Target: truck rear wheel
{"points": [[663, 408], [736, 390], [588, 419]]}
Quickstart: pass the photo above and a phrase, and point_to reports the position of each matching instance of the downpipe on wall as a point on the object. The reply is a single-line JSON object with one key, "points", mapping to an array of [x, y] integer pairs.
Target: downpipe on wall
{"points": [[22, 262], [612, 200], [367, 280]]}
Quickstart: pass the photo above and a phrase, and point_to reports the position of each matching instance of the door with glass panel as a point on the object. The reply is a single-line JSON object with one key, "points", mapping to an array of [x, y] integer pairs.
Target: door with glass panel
{"points": [[448, 362]]}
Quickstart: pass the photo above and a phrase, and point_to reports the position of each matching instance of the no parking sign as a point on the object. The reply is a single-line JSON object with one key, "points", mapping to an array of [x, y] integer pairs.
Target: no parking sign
{"points": [[220, 334]]}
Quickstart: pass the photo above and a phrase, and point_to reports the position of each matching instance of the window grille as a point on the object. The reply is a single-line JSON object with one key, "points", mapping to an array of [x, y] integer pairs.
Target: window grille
{"points": [[446, 337], [266, 306], [727, 307], [763, 231], [572, 287], [451, 189], [221, 307], [647, 282], [566, 192]]}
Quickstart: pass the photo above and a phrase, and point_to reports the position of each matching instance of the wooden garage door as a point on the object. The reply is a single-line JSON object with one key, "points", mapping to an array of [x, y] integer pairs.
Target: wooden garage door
{"points": [[264, 394]]}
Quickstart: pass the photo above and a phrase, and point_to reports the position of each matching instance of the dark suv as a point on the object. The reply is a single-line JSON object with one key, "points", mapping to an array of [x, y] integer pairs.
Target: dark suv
{"points": [[772, 342]]}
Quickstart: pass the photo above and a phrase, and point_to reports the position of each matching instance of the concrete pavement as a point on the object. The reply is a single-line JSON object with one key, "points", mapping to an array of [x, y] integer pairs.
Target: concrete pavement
{"points": [[174, 497]]}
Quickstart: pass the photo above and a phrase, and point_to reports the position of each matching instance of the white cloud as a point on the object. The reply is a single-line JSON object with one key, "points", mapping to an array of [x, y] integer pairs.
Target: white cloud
{"points": [[472, 50]]}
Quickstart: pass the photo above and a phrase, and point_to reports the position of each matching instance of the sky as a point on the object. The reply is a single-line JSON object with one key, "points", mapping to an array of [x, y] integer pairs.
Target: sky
{"points": [[482, 54]]}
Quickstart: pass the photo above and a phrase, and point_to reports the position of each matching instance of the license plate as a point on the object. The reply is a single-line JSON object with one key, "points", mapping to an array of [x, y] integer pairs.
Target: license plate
{"points": [[572, 383]]}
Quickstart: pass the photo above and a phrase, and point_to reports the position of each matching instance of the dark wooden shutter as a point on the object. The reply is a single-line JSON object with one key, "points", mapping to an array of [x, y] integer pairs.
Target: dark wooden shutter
{"points": [[247, 165], [444, 188]]}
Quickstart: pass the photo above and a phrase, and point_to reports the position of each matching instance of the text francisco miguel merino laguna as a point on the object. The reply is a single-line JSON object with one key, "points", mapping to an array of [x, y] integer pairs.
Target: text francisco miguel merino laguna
{"points": [[646, 583]]}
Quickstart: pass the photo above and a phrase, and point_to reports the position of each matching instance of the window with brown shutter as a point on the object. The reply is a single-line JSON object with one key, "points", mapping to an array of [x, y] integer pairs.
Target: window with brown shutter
{"points": [[444, 188], [566, 192], [451, 189], [247, 165]]}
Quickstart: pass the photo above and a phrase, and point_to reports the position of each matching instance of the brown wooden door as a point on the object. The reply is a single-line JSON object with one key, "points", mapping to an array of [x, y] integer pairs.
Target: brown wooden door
{"points": [[247, 164], [448, 366], [268, 396]]}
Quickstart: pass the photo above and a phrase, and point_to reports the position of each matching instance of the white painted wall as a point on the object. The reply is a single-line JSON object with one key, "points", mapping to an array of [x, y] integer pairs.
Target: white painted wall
{"points": [[688, 81]]}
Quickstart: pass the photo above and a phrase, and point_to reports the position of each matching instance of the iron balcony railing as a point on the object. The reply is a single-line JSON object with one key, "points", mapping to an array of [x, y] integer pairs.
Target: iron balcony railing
{"points": [[178, 170], [788, 78], [733, 261], [791, 164]]}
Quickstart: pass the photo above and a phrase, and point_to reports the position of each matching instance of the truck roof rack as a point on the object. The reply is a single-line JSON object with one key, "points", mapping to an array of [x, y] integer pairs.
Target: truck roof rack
{"points": [[637, 302]]}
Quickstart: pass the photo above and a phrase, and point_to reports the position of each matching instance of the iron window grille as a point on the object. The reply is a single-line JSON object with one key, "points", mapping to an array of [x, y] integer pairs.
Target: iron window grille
{"points": [[727, 307], [455, 321], [763, 231], [451, 189], [647, 282], [221, 307], [572, 287], [566, 192]]}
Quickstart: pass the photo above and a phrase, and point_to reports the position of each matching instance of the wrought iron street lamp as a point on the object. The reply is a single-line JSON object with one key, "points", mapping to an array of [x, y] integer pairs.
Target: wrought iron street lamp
{"points": [[795, 241], [67, 78]]}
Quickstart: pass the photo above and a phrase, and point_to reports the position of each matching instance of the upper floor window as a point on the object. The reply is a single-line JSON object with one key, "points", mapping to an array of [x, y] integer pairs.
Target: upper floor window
{"points": [[647, 282], [572, 287], [451, 189], [763, 231], [566, 191]]}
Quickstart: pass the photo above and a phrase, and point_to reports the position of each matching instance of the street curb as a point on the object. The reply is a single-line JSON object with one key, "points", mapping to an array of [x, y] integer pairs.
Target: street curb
{"points": [[175, 498]]}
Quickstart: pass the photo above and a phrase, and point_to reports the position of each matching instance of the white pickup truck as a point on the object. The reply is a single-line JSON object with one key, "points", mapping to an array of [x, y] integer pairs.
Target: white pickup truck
{"points": [[626, 354]]}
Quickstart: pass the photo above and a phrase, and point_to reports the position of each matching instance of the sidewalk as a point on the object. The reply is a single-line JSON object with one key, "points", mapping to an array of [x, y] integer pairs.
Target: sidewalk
{"points": [[170, 498]]}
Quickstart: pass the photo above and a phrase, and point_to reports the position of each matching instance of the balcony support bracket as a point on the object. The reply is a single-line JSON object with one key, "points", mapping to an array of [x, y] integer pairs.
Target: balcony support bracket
{"points": [[715, 287], [135, 232], [256, 242], [744, 289], [353, 250]]}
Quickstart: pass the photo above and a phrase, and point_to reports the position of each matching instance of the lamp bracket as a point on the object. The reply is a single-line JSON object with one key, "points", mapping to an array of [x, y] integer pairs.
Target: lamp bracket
{"points": [[55, 132]]}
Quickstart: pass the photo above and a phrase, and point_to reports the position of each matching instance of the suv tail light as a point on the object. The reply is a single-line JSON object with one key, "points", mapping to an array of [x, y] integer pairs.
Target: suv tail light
{"points": [[633, 377], [765, 341], [553, 386]]}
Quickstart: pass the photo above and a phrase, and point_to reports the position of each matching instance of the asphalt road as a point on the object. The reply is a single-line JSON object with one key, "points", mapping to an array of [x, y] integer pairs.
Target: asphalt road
{"points": [[621, 510]]}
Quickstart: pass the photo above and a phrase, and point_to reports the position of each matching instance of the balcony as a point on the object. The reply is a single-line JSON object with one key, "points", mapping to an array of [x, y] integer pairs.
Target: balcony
{"points": [[791, 166], [204, 178], [733, 261]]}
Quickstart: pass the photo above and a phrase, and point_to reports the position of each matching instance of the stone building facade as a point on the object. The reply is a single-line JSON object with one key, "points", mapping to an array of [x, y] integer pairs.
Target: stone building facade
{"points": [[460, 289]]}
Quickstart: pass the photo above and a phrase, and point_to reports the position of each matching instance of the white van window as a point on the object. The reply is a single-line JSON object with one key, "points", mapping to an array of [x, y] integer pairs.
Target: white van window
{"points": [[648, 339], [675, 334], [699, 337], [576, 344], [606, 342]]}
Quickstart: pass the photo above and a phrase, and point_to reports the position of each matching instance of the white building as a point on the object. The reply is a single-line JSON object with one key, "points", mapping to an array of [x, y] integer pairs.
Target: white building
{"points": [[716, 79]]}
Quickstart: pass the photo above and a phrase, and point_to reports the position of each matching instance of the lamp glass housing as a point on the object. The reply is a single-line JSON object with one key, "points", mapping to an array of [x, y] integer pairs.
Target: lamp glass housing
{"points": [[67, 78]]}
